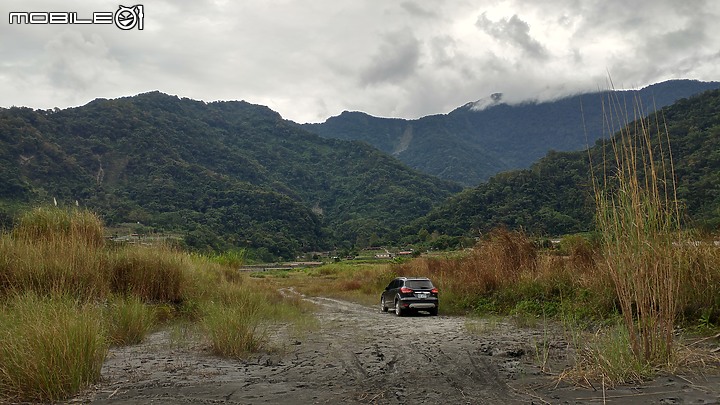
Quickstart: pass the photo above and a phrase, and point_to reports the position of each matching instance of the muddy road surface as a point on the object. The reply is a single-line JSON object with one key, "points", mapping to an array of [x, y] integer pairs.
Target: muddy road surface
{"points": [[358, 354]]}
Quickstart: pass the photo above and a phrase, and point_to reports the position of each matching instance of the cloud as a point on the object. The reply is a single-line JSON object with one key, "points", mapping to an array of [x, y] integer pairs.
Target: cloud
{"points": [[395, 60], [78, 62], [416, 10], [514, 32], [442, 48], [309, 60]]}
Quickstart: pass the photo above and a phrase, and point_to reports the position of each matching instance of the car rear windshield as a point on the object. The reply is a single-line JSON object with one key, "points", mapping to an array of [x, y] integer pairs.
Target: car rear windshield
{"points": [[419, 284]]}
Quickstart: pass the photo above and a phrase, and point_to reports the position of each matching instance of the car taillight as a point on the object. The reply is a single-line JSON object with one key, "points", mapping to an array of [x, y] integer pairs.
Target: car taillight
{"points": [[434, 291], [405, 290]]}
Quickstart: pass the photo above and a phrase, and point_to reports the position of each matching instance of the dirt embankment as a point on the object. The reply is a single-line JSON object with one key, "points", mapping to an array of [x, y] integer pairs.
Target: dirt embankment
{"points": [[360, 355]]}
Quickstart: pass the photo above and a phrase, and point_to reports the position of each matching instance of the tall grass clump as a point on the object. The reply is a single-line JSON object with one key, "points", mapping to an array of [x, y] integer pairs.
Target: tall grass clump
{"points": [[50, 348], [129, 320], [240, 318], [49, 224], [54, 251], [155, 274], [638, 219], [234, 322], [65, 296], [580, 251]]}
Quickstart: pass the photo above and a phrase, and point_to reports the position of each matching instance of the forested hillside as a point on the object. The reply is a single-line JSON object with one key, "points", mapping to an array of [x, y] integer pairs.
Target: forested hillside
{"points": [[555, 195], [226, 174], [480, 139], [233, 174]]}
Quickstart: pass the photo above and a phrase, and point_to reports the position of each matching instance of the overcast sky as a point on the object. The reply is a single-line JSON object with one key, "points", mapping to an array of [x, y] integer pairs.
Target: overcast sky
{"points": [[312, 59]]}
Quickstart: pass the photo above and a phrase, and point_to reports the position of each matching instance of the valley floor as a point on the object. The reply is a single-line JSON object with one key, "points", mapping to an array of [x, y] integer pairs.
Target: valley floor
{"points": [[358, 354]]}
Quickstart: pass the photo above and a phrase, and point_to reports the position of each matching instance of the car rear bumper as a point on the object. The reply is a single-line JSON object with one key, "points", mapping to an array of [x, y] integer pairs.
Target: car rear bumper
{"points": [[422, 305], [416, 303]]}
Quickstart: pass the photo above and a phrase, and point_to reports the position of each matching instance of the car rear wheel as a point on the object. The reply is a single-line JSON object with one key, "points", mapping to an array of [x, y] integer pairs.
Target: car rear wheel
{"points": [[398, 309], [383, 307], [433, 311]]}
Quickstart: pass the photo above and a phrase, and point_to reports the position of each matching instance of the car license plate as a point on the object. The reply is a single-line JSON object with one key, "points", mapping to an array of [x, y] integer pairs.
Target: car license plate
{"points": [[422, 295]]}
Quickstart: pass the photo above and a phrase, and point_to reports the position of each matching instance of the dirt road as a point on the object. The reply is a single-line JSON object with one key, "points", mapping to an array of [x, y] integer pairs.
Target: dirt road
{"points": [[359, 355]]}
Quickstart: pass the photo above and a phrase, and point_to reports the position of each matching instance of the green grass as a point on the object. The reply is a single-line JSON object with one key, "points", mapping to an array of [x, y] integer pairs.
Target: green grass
{"points": [[129, 319], [608, 356], [50, 348], [234, 329], [231, 258], [238, 319], [353, 281]]}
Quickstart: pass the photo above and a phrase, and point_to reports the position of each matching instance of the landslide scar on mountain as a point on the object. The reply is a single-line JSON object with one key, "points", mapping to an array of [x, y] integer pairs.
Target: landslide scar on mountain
{"points": [[404, 141]]}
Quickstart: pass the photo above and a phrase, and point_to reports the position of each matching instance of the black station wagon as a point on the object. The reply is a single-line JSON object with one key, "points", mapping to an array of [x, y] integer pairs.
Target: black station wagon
{"points": [[406, 294]]}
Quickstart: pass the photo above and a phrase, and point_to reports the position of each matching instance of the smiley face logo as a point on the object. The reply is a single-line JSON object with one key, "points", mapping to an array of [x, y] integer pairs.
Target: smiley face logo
{"points": [[127, 18]]}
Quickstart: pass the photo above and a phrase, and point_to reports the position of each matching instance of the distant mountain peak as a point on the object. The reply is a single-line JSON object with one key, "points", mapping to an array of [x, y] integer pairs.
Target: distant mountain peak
{"points": [[484, 103]]}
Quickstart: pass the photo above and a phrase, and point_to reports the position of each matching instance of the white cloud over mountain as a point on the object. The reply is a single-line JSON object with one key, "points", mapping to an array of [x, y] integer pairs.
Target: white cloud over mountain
{"points": [[310, 60]]}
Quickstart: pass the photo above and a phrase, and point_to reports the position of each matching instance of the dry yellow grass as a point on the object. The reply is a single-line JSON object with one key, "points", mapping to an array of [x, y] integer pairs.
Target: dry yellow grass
{"points": [[65, 295]]}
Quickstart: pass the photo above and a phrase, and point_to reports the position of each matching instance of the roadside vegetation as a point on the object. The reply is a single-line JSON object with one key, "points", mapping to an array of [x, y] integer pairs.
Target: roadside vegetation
{"points": [[66, 296], [505, 273], [624, 292], [509, 274], [655, 266]]}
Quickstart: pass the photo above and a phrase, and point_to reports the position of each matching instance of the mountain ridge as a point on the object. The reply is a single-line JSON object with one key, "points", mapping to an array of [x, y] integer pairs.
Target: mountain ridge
{"points": [[469, 146], [225, 173], [555, 195]]}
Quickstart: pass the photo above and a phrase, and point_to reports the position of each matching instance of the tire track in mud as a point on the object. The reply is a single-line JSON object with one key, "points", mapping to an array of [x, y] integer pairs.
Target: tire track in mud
{"points": [[417, 359], [358, 355]]}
